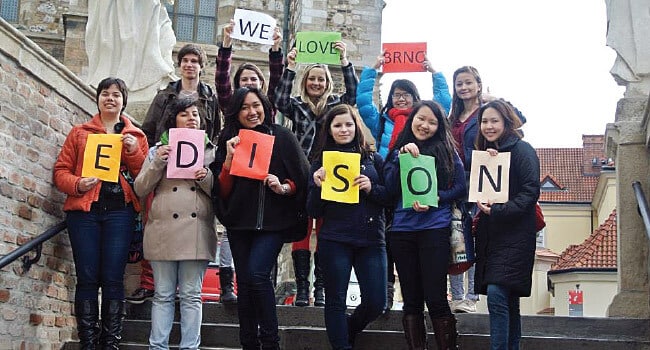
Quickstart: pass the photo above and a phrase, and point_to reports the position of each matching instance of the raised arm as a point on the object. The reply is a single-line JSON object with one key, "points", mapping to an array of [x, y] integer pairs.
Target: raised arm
{"points": [[349, 76], [440, 87], [222, 74], [283, 91], [365, 104], [275, 64]]}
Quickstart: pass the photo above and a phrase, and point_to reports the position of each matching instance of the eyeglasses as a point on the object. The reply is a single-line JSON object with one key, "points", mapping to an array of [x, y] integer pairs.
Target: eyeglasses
{"points": [[405, 96]]}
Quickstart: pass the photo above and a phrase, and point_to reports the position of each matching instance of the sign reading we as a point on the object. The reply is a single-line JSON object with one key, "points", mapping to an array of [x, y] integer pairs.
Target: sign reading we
{"points": [[404, 57], [419, 180], [102, 157], [253, 26], [317, 47], [187, 153], [341, 168], [489, 177], [252, 156]]}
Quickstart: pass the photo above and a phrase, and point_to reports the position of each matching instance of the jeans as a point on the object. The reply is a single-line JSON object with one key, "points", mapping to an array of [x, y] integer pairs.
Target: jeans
{"points": [[336, 260], [187, 275], [505, 320], [422, 258], [255, 253], [225, 255], [100, 243], [456, 283]]}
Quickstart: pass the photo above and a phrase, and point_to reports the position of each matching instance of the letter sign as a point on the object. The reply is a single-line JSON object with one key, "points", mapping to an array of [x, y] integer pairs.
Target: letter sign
{"points": [[253, 26], [341, 168], [102, 157], [419, 180], [252, 156], [317, 47], [489, 177], [187, 153], [404, 57]]}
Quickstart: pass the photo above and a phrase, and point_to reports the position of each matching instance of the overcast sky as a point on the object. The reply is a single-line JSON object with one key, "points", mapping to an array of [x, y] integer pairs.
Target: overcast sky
{"points": [[547, 57]]}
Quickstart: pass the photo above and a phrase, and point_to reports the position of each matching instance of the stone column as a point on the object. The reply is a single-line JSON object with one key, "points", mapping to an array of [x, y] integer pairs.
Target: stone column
{"points": [[626, 141]]}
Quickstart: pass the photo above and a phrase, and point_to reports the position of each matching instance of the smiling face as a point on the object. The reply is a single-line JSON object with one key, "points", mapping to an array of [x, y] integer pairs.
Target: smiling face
{"points": [[466, 86], [188, 118], [343, 129], [316, 82], [251, 113], [492, 125], [110, 101], [190, 66], [402, 99], [425, 124], [250, 79]]}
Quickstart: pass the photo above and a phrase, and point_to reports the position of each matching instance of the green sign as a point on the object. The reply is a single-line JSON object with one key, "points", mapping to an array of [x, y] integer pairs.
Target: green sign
{"points": [[317, 47], [419, 181]]}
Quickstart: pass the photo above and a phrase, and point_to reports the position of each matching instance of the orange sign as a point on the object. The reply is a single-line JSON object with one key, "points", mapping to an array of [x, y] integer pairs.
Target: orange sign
{"points": [[404, 57], [252, 155]]}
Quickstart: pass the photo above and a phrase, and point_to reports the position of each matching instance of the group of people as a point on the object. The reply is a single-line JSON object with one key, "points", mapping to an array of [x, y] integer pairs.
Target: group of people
{"points": [[260, 215]]}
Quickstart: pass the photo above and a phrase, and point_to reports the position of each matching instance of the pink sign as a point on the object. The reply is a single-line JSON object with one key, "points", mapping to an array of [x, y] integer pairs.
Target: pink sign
{"points": [[187, 153]]}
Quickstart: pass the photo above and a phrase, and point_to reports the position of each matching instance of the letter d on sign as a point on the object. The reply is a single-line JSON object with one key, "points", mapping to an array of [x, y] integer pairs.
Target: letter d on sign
{"points": [[179, 152]]}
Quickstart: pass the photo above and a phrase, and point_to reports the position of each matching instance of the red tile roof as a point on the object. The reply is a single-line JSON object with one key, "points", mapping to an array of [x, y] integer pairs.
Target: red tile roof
{"points": [[596, 252], [565, 167]]}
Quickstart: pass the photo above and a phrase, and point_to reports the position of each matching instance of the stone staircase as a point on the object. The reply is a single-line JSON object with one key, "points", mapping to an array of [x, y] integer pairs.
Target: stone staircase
{"points": [[303, 329]]}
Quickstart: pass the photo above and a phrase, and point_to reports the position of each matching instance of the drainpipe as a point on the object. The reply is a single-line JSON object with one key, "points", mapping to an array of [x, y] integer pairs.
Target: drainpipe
{"points": [[285, 27]]}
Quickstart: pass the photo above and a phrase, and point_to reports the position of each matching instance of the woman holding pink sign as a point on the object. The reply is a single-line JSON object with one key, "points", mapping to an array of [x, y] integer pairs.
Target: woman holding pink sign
{"points": [[179, 236], [420, 233], [259, 213]]}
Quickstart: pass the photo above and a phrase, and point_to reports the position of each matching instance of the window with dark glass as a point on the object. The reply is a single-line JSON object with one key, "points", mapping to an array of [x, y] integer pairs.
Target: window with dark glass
{"points": [[194, 20], [9, 10]]}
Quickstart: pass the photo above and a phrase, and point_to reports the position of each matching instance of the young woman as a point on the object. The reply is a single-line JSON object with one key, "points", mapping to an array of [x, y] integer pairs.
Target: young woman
{"points": [[352, 235], [306, 113], [420, 233], [179, 238], [258, 214], [100, 216], [386, 124], [505, 241]]}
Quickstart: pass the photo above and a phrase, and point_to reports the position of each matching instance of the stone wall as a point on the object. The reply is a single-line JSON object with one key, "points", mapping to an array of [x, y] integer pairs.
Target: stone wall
{"points": [[40, 101]]}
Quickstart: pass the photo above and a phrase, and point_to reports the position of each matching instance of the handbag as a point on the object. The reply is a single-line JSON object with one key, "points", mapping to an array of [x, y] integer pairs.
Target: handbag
{"points": [[461, 242], [539, 218], [136, 251]]}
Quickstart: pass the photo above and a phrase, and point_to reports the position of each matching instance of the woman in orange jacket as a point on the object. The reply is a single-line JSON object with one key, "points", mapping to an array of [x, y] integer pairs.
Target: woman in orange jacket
{"points": [[100, 216]]}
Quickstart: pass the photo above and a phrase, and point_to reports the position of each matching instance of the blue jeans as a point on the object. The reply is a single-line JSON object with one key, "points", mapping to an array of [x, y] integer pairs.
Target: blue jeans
{"points": [[422, 258], [188, 276], [456, 282], [336, 260], [255, 253], [505, 321], [100, 243], [225, 255]]}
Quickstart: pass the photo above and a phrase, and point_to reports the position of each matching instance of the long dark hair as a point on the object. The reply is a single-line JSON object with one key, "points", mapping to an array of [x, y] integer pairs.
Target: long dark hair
{"points": [[511, 124], [106, 83], [441, 145], [457, 105], [326, 140], [405, 85]]}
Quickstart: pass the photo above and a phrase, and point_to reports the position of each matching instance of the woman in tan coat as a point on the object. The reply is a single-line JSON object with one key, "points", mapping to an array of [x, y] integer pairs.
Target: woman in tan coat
{"points": [[179, 236]]}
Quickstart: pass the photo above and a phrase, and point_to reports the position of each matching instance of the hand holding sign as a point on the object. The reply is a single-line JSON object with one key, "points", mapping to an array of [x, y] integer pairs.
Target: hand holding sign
{"points": [[404, 57], [490, 177], [253, 26], [252, 154], [419, 181], [318, 47], [102, 157], [341, 170]]}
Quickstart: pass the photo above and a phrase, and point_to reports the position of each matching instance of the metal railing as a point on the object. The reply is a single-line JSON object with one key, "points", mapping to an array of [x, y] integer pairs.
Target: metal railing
{"points": [[642, 203], [35, 244]]}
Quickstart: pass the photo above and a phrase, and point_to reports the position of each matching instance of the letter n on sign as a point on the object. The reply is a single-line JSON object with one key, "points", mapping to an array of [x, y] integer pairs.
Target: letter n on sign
{"points": [[490, 177], [252, 155]]}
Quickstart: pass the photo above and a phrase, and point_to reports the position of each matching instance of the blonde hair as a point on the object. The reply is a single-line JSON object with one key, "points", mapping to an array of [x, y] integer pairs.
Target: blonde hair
{"points": [[319, 107]]}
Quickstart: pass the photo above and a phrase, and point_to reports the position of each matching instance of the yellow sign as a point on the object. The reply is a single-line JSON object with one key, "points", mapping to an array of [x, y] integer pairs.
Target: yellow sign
{"points": [[341, 168], [102, 157]]}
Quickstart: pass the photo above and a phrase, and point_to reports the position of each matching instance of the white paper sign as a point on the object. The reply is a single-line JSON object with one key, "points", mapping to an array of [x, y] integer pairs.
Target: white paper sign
{"points": [[489, 179], [253, 26]]}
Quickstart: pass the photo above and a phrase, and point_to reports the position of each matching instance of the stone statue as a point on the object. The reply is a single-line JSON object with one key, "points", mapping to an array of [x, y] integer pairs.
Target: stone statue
{"points": [[628, 31], [132, 40]]}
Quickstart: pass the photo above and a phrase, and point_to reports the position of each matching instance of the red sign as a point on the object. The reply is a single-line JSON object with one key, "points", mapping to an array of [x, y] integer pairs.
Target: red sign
{"points": [[404, 57], [252, 155], [575, 297]]}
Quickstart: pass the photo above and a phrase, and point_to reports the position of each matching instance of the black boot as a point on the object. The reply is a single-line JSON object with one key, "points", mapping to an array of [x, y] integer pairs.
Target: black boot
{"points": [[415, 331], [87, 313], [226, 280], [390, 295], [319, 283], [301, 267], [112, 315], [445, 332]]}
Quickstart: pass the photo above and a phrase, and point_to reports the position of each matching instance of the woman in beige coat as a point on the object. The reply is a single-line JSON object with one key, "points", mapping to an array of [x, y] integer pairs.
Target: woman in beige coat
{"points": [[179, 236]]}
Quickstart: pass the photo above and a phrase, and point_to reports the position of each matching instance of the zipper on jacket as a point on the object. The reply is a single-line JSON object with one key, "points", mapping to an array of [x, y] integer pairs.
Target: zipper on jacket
{"points": [[260, 207]]}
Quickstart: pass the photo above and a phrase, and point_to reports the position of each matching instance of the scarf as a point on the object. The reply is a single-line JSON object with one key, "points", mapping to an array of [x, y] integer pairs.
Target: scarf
{"points": [[399, 117]]}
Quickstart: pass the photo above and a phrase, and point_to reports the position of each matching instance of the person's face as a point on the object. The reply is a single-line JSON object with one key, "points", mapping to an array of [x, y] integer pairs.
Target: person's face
{"points": [[250, 79], [492, 125], [190, 66], [402, 99], [343, 129], [466, 86], [316, 82], [251, 113], [188, 118], [425, 124], [110, 100]]}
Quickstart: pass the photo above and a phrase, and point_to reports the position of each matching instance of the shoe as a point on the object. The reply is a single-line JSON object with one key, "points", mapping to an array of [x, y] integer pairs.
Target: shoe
{"points": [[140, 296], [463, 306], [444, 330], [112, 316], [301, 266], [226, 280], [319, 283]]}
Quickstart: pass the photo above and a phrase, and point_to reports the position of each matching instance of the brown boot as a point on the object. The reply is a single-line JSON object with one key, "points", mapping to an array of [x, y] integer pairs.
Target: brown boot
{"points": [[445, 332], [415, 331]]}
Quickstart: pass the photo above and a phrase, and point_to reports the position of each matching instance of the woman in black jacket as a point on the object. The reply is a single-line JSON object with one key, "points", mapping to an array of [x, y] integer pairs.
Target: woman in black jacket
{"points": [[506, 231], [259, 215], [352, 234]]}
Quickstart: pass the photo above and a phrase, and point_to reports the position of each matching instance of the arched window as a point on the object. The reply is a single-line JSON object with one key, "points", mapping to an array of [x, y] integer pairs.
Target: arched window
{"points": [[194, 20]]}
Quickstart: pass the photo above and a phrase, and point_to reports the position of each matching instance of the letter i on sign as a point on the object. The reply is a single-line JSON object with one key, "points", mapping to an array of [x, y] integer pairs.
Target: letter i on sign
{"points": [[252, 156]]}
